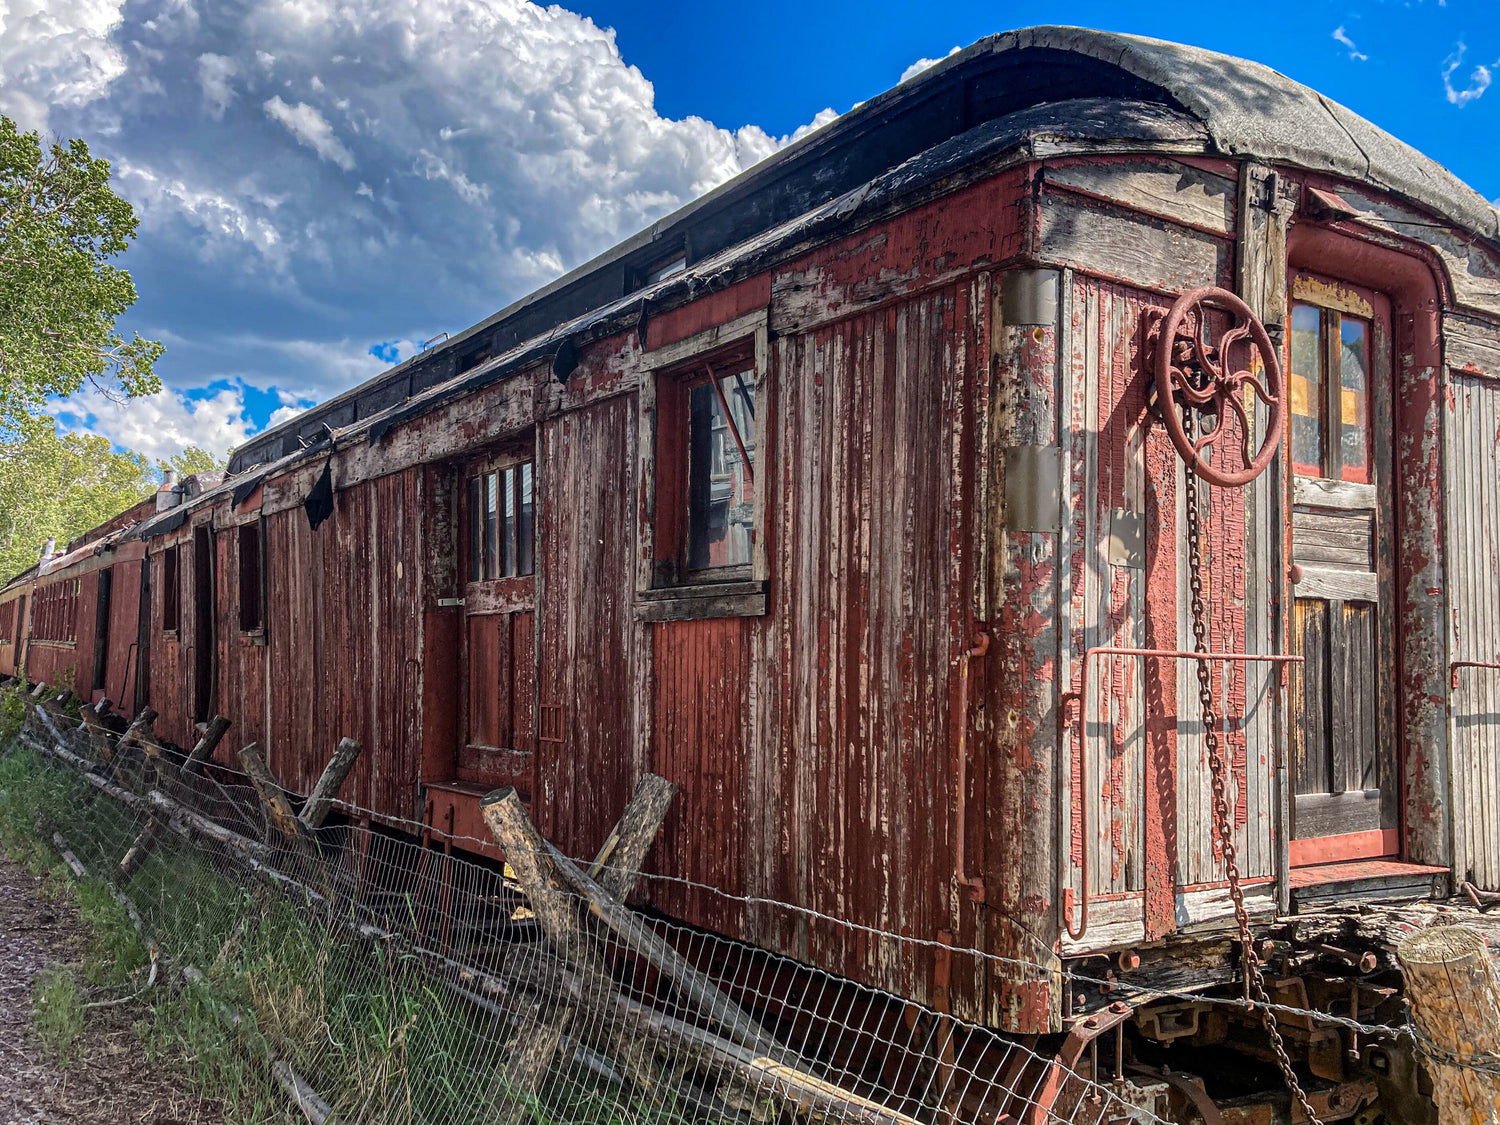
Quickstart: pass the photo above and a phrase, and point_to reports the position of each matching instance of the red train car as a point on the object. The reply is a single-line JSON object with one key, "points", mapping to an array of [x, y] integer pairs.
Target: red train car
{"points": [[73, 620], [871, 499]]}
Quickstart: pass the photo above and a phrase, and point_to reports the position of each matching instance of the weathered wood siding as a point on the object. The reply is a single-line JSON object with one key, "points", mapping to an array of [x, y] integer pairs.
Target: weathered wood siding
{"points": [[874, 420], [1142, 745], [1473, 510], [586, 462]]}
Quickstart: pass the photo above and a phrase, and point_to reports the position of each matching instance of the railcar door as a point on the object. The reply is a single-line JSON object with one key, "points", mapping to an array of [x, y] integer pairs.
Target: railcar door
{"points": [[498, 724], [1343, 717]]}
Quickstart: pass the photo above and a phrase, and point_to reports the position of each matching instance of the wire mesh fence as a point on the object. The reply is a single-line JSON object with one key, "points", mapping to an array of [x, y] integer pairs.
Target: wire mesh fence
{"points": [[379, 979]]}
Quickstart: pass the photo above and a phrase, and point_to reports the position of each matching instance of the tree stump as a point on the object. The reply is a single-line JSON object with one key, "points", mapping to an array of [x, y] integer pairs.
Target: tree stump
{"points": [[1455, 1008]]}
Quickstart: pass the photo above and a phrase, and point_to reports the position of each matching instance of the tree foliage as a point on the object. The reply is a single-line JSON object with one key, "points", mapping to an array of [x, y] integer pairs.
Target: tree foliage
{"points": [[57, 486], [60, 224], [192, 460]]}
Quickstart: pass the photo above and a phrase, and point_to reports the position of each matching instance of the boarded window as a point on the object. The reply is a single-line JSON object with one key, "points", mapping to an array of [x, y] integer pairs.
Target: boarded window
{"points": [[7, 623], [171, 592], [55, 615], [252, 577], [501, 523]]}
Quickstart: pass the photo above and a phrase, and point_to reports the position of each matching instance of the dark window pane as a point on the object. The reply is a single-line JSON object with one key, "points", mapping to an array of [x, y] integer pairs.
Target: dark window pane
{"points": [[1306, 390], [721, 503], [491, 515], [525, 559], [251, 613], [508, 524], [476, 530], [1354, 396], [170, 591]]}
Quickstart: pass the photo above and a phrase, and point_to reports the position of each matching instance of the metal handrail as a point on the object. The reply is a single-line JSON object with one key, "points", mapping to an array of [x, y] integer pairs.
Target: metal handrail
{"points": [[1081, 697], [1455, 665]]}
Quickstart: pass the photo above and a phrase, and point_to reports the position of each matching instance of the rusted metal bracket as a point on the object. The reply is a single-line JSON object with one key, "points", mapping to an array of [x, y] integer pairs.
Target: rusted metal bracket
{"points": [[975, 883], [1084, 1032], [1454, 666]]}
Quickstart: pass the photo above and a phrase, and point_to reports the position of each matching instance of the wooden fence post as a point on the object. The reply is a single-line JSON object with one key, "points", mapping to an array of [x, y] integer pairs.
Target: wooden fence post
{"points": [[1455, 1008], [132, 860], [271, 795], [538, 1034], [617, 867], [320, 800]]}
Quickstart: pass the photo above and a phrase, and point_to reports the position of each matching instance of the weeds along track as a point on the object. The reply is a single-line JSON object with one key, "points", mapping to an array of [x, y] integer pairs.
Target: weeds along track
{"points": [[375, 979]]}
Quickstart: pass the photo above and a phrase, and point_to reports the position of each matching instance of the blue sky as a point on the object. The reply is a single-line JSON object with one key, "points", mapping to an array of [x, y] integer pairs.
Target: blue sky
{"points": [[323, 185]]}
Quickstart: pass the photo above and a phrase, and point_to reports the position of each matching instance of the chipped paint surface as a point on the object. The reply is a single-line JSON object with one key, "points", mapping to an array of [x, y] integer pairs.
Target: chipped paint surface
{"points": [[1472, 425], [817, 744]]}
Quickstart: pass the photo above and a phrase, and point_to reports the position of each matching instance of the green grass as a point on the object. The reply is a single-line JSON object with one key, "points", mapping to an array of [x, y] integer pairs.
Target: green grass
{"points": [[374, 1033], [57, 1010]]}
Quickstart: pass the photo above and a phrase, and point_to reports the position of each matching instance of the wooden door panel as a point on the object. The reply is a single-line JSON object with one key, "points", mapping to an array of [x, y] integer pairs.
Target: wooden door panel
{"points": [[1308, 696], [500, 691]]}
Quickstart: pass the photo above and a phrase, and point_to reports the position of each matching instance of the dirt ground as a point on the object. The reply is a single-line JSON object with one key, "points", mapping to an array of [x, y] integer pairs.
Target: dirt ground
{"points": [[107, 1078]]}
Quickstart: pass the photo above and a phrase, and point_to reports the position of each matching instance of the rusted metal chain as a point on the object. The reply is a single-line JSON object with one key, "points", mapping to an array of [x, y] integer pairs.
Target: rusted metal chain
{"points": [[1218, 767]]}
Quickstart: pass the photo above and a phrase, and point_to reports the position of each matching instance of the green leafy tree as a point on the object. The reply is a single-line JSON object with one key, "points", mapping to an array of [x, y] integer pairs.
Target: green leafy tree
{"points": [[192, 460], [60, 224], [57, 486]]}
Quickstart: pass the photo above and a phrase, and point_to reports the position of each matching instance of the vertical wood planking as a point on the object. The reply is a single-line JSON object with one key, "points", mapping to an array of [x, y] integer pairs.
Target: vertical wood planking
{"points": [[586, 464], [1473, 503], [701, 672]]}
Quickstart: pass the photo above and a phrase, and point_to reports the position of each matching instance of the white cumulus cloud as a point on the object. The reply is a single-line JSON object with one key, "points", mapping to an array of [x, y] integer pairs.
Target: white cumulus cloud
{"points": [[215, 73], [1479, 78], [920, 65], [56, 53], [162, 424], [497, 144], [310, 128]]}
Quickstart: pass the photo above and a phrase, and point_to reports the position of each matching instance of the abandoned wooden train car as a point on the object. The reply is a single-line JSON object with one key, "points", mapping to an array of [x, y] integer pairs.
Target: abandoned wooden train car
{"points": [[869, 497]]}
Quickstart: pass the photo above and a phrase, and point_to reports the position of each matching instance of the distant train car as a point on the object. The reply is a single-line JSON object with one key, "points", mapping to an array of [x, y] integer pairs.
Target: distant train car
{"points": [[878, 499], [15, 623]]}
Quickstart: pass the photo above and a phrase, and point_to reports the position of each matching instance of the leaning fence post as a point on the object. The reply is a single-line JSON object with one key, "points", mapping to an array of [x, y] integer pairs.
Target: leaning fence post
{"points": [[271, 795], [617, 867], [537, 1035], [1455, 1010], [320, 801], [200, 753]]}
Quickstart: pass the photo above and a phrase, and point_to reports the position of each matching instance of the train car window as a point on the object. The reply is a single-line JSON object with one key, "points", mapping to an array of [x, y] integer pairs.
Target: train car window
{"points": [[705, 518], [55, 615], [1330, 394], [252, 600], [7, 623], [721, 470], [171, 594], [502, 524]]}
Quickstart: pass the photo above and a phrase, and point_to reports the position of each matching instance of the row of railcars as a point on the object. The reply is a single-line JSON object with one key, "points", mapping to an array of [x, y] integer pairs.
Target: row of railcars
{"points": [[847, 499]]}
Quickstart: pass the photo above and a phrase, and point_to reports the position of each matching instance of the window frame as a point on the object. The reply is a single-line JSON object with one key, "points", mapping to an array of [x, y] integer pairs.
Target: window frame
{"points": [[171, 590], [666, 587], [256, 524], [481, 470], [1336, 301]]}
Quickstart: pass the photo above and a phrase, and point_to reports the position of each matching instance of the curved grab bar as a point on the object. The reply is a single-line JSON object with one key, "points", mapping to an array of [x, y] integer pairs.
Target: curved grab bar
{"points": [[1081, 696]]}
